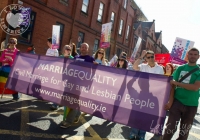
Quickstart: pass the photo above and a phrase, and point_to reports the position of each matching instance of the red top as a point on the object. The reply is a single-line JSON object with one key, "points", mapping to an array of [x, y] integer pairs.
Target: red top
{"points": [[8, 56]]}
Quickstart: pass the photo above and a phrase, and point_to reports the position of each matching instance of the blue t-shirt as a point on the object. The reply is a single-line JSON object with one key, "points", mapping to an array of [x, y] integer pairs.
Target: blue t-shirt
{"points": [[85, 58]]}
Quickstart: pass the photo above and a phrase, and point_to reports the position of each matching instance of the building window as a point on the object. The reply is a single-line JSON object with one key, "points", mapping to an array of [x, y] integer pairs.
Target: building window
{"points": [[64, 2], [80, 40], [85, 6], [112, 19], [127, 32], [96, 45], [108, 53], [121, 27], [100, 14], [125, 4], [61, 33], [26, 37], [118, 51]]}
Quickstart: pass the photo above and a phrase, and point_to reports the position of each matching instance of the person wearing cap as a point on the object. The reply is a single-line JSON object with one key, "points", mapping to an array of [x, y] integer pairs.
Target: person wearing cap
{"points": [[122, 62], [151, 67]]}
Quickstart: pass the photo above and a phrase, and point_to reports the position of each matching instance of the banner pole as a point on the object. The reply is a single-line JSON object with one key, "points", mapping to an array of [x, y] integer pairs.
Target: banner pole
{"points": [[2, 93]]}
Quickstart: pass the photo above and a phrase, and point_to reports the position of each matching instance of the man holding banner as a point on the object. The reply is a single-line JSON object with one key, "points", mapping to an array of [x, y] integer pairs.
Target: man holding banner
{"points": [[185, 102], [150, 67]]}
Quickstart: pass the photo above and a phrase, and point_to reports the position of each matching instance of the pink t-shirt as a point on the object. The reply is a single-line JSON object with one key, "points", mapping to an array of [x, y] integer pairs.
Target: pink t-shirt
{"points": [[8, 56]]}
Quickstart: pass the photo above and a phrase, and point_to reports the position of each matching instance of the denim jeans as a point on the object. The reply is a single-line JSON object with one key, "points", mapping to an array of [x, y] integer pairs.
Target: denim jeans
{"points": [[137, 132], [16, 95], [186, 114], [73, 113]]}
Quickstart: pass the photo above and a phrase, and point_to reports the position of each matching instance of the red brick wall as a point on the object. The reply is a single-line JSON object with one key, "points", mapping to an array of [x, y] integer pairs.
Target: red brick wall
{"points": [[48, 12]]}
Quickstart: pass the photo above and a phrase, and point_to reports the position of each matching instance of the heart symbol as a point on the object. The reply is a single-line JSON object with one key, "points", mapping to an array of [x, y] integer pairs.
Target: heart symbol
{"points": [[14, 20]]}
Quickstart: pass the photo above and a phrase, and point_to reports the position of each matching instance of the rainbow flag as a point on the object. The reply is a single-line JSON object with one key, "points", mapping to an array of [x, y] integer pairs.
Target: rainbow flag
{"points": [[4, 72]]}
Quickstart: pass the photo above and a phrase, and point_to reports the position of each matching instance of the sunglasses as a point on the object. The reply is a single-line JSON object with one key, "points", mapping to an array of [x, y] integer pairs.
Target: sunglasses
{"points": [[150, 57], [11, 42], [68, 49], [100, 53], [121, 60]]}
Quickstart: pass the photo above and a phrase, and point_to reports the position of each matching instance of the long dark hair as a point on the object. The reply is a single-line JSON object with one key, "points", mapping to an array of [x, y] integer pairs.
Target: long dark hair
{"points": [[74, 52], [96, 54], [124, 65]]}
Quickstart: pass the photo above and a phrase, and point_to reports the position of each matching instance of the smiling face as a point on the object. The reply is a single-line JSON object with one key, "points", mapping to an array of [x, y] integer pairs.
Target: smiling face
{"points": [[168, 69], [67, 50], [121, 62], [84, 49], [150, 58]]}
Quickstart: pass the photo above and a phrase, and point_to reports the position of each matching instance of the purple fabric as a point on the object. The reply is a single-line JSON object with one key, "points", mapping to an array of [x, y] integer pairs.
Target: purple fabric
{"points": [[128, 97]]}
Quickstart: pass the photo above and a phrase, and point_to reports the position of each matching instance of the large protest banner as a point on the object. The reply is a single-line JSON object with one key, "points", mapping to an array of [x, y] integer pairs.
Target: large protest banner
{"points": [[127, 97], [179, 50]]}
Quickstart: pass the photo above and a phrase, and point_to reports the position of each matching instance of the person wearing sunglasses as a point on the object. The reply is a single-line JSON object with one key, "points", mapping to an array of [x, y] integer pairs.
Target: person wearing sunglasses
{"points": [[100, 57], [66, 53], [7, 59], [151, 67], [122, 62]]}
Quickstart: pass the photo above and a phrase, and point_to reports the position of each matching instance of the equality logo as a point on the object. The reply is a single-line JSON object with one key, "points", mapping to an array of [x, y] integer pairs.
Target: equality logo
{"points": [[15, 19]]}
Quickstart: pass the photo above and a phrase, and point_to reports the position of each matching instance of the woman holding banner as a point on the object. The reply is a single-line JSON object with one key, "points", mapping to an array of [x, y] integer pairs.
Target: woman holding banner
{"points": [[66, 53], [122, 62], [100, 57], [7, 59], [74, 51]]}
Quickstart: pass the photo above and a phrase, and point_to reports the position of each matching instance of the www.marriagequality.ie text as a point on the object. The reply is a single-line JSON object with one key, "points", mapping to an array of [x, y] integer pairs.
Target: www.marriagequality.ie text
{"points": [[82, 75]]}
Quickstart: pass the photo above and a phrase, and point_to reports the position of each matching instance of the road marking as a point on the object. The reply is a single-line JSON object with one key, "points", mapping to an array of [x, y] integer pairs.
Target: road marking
{"points": [[90, 129], [24, 120], [44, 135], [195, 135], [31, 110]]}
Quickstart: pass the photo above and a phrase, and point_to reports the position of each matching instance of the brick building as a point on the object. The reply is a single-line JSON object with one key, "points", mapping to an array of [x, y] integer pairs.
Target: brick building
{"points": [[151, 40], [80, 21]]}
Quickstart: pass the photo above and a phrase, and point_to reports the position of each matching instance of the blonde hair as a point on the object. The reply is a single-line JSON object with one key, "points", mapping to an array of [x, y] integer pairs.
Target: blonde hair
{"points": [[64, 48], [14, 39]]}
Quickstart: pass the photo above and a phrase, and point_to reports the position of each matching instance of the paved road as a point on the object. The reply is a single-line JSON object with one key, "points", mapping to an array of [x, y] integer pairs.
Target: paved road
{"points": [[31, 119]]}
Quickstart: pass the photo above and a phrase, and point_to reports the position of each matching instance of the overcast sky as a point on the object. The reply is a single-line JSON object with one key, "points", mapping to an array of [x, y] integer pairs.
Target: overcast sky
{"points": [[176, 18]]}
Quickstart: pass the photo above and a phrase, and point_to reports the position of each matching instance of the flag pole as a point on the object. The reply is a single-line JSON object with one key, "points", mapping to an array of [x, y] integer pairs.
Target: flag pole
{"points": [[2, 93]]}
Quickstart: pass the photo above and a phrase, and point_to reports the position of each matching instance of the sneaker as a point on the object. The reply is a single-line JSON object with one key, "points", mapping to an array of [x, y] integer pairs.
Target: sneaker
{"points": [[141, 138], [54, 107], [134, 138], [76, 120], [15, 99], [65, 124]]}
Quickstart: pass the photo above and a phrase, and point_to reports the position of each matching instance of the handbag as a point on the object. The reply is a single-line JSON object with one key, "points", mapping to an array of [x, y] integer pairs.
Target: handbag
{"points": [[188, 74]]}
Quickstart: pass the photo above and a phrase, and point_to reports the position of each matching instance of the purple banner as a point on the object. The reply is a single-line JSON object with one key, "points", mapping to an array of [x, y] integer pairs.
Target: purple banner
{"points": [[127, 97]]}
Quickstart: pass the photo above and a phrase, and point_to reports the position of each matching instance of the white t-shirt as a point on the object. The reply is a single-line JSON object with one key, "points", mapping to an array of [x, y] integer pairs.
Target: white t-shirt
{"points": [[157, 69], [52, 52]]}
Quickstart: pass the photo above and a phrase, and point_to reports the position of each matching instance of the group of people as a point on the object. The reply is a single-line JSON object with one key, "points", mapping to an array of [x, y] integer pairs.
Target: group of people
{"points": [[184, 95]]}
